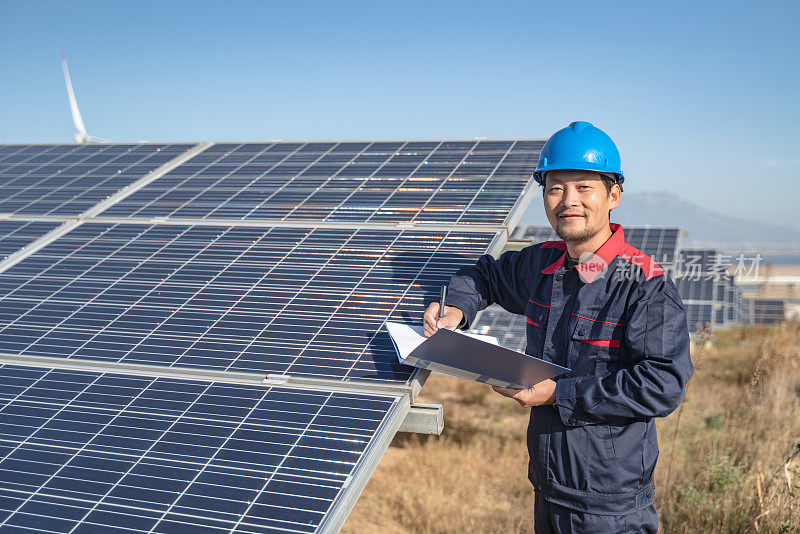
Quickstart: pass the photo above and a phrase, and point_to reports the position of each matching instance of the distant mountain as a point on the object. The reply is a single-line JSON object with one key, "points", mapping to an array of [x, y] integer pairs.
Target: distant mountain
{"points": [[705, 228]]}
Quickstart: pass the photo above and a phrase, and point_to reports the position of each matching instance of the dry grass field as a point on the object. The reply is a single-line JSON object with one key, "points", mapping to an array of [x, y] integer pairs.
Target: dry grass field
{"points": [[730, 456]]}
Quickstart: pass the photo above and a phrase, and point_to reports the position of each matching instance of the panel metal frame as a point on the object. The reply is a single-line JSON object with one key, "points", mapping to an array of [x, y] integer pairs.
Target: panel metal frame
{"points": [[337, 515], [355, 387]]}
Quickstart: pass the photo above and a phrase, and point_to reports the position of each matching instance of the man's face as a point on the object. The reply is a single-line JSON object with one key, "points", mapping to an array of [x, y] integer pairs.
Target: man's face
{"points": [[577, 203]]}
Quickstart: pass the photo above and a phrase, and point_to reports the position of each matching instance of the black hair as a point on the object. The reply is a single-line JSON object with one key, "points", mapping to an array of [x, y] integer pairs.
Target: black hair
{"points": [[607, 181]]}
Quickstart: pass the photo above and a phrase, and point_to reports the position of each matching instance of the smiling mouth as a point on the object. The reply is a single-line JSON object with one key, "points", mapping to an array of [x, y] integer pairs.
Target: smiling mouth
{"points": [[570, 217]]}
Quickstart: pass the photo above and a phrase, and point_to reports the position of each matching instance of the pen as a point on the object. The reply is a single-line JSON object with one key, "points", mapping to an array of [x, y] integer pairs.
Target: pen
{"points": [[441, 302]]}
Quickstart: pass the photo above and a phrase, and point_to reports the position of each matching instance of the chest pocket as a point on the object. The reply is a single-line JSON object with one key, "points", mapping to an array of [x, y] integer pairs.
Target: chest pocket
{"points": [[595, 347], [536, 315]]}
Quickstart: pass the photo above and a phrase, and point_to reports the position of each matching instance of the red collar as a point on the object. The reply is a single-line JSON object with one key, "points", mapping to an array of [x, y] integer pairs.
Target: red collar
{"points": [[607, 251]]}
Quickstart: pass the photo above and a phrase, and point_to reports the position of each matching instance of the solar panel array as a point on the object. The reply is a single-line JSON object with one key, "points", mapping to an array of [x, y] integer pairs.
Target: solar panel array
{"points": [[510, 328], [658, 243], [151, 350], [118, 452], [444, 182], [702, 277], [15, 235], [299, 301], [761, 311], [707, 289], [70, 179], [732, 297]]}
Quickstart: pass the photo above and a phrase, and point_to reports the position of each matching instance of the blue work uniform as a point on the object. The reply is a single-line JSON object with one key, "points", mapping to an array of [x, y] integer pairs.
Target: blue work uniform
{"points": [[623, 333]]}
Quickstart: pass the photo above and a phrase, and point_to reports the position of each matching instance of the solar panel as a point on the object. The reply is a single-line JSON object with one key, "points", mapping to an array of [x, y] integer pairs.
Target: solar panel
{"points": [[101, 452], [706, 288], [67, 180], [694, 283], [697, 315], [536, 234], [765, 311], [451, 182], [732, 303], [15, 235], [298, 301], [661, 244], [508, 327]]}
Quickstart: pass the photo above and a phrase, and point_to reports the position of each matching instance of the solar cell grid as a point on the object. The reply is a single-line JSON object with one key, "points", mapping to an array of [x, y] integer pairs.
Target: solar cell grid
{"points": [[275, 300], [95, 452], [445, 182], [536, 233], [765, 311], [697, 315], [509, 328], [733, 301], [69, 179], [702, 279], [15, 235]]}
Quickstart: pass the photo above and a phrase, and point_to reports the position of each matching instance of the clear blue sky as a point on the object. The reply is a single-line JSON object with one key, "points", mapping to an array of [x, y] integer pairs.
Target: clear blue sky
{"points": [[702, 97]]}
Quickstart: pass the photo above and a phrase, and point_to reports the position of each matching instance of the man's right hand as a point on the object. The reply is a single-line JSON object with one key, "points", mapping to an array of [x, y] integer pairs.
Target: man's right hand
{"points": [[431, 322]]}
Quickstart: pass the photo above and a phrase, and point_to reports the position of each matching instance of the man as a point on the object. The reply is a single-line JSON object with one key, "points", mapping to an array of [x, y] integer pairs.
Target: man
{"points": [[608, 312]]}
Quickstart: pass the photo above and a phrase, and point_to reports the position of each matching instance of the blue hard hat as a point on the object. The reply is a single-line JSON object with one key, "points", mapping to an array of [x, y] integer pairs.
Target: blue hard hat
{"points": [[580, 146]]}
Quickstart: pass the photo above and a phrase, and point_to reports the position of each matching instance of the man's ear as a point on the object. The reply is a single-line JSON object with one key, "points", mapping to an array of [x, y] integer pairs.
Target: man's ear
{"points": [[614, 196]]}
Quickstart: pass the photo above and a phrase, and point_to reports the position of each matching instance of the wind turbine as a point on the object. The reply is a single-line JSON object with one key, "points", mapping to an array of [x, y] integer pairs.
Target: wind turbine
{"points": [[81, 136]]}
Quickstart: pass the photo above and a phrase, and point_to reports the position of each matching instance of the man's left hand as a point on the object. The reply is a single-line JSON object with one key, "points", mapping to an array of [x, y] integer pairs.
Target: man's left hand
{"points": [[542, 393]]}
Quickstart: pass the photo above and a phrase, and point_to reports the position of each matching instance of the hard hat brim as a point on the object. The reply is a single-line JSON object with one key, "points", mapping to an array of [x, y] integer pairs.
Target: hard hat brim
{"points": [[538, 174]]}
